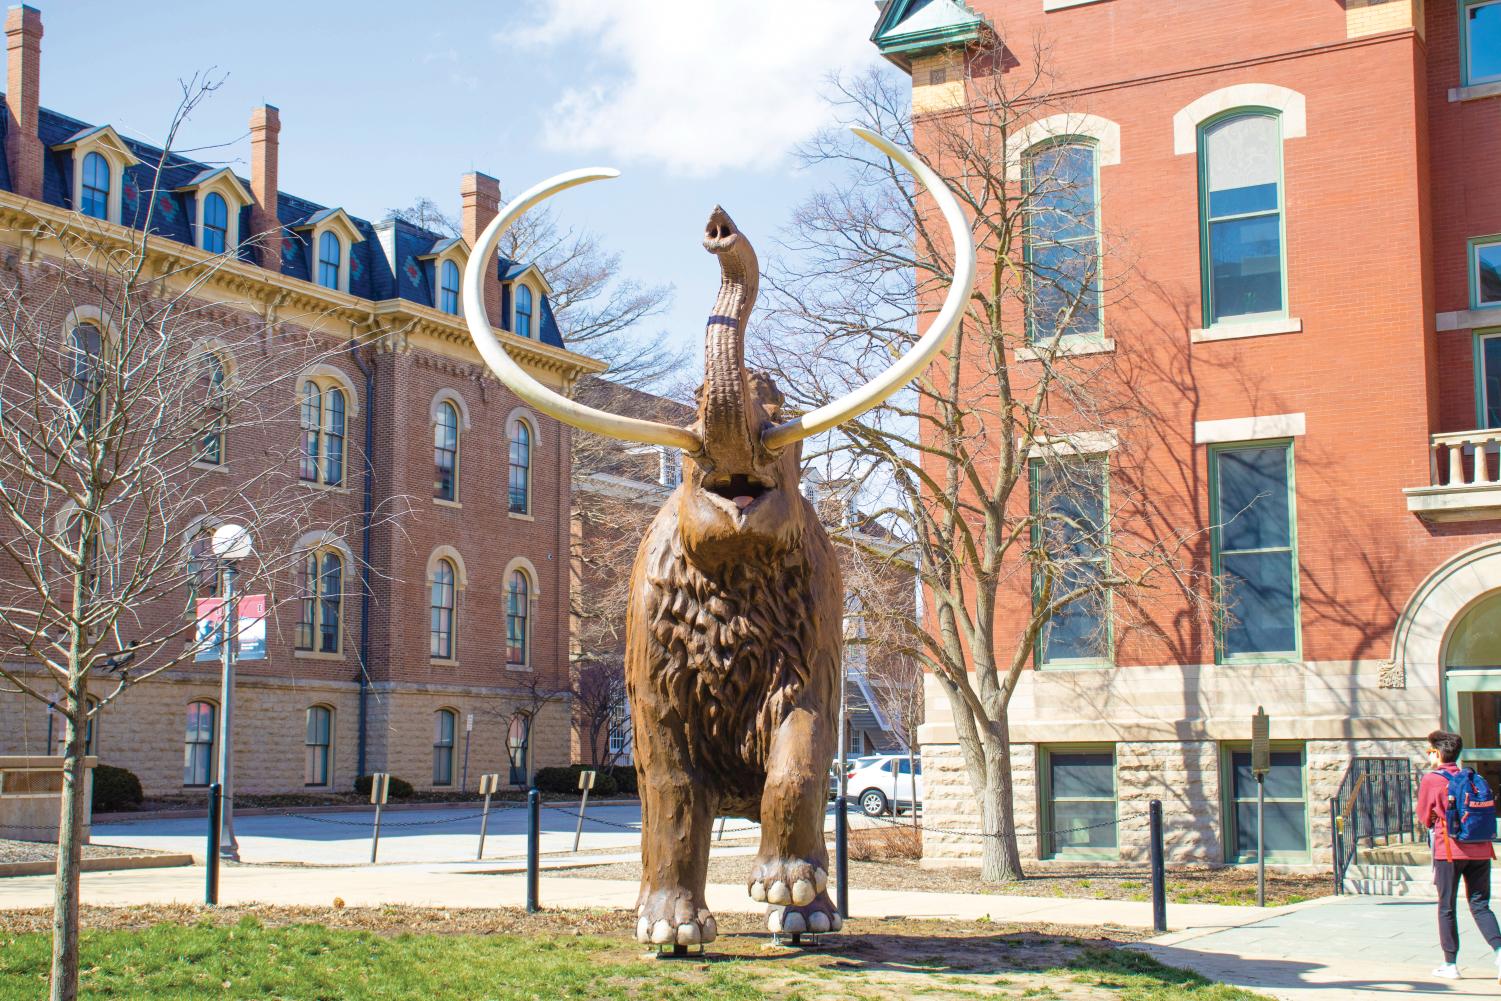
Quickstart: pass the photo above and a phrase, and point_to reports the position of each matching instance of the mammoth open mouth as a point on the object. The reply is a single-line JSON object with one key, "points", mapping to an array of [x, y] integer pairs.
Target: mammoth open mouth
{"points": [[739, 489]]}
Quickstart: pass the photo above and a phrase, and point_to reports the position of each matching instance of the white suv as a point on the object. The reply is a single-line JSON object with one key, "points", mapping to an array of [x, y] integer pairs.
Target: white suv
{"points": [[882, 783]]}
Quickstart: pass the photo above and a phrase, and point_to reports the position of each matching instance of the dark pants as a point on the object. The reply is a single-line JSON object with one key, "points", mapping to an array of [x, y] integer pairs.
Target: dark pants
{"points": [[1477, 877]]}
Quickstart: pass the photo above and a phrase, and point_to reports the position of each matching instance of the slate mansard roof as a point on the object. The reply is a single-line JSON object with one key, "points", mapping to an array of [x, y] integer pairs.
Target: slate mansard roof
{"points": [[387, 263]]}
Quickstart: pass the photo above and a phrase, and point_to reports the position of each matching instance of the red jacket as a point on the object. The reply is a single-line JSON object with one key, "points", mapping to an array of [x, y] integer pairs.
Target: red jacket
{"points": [[1433, 796]]}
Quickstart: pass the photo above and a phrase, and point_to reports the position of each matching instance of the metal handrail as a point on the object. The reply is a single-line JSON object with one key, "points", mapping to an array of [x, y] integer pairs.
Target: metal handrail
{"points": [[1374, 801]]}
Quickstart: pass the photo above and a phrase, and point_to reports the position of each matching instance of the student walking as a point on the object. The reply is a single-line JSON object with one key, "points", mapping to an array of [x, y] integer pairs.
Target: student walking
{"points": [[1455, 804]]}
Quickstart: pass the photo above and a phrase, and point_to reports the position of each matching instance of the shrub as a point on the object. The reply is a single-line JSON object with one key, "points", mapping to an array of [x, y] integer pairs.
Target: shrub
{"points": [[116, 789], [625, 778], [565, 780], [885, 843], [399, 788]]}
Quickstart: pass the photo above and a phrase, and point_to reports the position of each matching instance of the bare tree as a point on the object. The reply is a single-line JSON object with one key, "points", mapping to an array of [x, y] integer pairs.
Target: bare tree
{"points": [[991, 465], [113, 435], [599, 309], [598, 708]]}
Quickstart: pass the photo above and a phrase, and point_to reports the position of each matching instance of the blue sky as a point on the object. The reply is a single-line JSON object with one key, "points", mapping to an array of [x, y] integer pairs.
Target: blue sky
{"points": [[382, 102]]}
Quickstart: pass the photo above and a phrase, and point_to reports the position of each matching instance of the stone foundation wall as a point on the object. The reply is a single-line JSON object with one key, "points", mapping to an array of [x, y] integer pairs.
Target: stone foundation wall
{"points": [[144, 730]]}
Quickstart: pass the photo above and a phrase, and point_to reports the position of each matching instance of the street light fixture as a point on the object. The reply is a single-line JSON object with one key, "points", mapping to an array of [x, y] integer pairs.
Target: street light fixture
{"points": [[231, 544]]}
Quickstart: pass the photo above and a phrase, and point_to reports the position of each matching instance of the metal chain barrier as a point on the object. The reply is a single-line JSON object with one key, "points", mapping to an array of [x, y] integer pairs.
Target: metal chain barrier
{"points": [[898, 822], [573, 812]]}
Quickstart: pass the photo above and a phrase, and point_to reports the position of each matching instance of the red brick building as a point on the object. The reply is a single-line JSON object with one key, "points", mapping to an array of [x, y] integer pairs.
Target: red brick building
{"points": [[1307, 190], [449, 658]]}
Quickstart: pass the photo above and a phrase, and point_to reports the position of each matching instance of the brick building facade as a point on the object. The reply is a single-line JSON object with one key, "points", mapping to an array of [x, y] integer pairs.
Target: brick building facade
{"points": [[1307, 192], [462, 618]]}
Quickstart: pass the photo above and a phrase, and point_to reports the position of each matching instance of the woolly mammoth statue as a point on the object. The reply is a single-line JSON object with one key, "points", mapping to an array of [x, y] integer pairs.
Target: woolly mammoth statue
{"points": [[734, 628]]}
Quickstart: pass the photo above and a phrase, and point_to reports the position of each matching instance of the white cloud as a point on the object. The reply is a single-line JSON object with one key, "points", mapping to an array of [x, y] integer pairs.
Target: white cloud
{"points": [[698, 85]]}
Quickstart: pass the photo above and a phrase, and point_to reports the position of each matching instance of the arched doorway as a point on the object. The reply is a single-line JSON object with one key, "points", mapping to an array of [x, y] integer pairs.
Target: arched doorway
{"points": [[1452, 626]]}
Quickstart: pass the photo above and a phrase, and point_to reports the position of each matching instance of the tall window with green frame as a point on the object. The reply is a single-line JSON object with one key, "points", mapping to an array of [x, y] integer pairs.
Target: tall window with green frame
{"points": [[1254, 538], [1061, 243], [1488, 378], [1480, 41], [1286, 806], [1070, 530], [1240, 217]]}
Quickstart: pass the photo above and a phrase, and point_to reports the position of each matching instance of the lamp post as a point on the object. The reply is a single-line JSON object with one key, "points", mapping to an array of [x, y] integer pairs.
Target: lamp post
{"points": [[231, 544]]}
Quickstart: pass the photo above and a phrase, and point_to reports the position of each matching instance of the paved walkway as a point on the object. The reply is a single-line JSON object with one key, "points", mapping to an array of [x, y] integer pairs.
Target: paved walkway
{"points": [[1355, 948], [480, 884]]}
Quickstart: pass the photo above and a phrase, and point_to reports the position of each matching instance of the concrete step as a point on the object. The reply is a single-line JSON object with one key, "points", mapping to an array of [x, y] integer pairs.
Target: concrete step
{"points": [[1414, 881], [1402, 854]]}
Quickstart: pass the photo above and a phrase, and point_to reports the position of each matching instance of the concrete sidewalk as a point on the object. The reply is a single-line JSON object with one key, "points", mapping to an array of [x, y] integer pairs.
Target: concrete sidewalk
{"points": [[1356, 948], [480, 884]]}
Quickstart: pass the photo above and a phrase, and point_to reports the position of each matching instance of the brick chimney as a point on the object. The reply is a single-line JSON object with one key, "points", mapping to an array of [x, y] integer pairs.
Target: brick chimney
{"points": [[265, 128], [23, 147], [480, 194]]}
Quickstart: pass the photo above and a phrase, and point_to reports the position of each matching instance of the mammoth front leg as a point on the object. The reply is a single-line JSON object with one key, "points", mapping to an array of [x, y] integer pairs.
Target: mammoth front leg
{"points": [[791, 869], [677, 818]]}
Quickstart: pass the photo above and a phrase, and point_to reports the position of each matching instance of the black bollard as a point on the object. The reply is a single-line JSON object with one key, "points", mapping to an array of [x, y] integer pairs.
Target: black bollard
{"points": [[533, 848], [841, 857], [215, 818], [1159, 874]]}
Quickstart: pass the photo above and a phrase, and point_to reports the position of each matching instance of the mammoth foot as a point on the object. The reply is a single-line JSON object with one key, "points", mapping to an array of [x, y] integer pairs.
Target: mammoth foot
{"points": [[671, 917], [817, 917], [787, 881]]}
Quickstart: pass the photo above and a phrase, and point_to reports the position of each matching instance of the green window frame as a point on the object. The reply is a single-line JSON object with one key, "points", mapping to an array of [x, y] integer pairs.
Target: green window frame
{"points": [[1082, 551], [1061, 241], [1484, 262], [1242, 548], [1222, 220], [1073, 796], [1287, 813], [1488, 378], [1484, 15]]}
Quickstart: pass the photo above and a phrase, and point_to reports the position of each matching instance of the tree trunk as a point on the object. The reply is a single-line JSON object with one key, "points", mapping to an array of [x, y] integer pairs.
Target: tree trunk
{"points": [[1001, 861], [69, 851], [912, 768]]}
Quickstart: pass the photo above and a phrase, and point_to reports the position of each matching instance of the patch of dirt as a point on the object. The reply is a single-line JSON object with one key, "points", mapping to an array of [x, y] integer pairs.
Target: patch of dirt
{"points": [[1119, 881], [46, 851]]}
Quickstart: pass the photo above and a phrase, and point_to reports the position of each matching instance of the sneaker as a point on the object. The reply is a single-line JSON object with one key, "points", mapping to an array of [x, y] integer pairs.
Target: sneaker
{"points": [[1498, 966], [1446, 972]]}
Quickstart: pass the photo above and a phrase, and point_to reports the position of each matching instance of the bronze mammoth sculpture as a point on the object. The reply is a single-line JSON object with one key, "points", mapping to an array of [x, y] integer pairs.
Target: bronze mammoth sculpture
{"points": [[734, 628]]}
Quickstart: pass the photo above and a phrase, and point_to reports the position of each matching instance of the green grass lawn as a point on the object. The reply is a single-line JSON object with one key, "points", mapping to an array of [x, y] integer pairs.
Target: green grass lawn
{"points": [[247, 958]]}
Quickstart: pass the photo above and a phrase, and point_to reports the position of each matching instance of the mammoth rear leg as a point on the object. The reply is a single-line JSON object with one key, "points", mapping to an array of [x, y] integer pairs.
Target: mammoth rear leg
{"points": [[791, 871], [677, 817]]}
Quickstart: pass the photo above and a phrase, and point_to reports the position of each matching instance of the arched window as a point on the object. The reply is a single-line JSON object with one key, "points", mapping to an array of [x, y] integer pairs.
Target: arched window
{"points": [[320, 592], [212, 452], [95, 188], [319, 746], [519, 492], [85, 378], [446, 452], [198, 745], [330, 257], [518, 748], [448, 288], [1240, 208], [322, 418], [518, 618], [215, 223], [445, 726], [523, 311], [442, 611], [1061, 243]]}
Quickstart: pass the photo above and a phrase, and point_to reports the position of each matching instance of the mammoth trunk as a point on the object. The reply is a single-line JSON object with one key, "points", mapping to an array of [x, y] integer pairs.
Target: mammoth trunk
{"points": [[728, 431]]}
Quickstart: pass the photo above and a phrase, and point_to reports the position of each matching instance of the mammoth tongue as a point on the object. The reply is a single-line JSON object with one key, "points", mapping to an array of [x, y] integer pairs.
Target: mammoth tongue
{"points": [[743, 502]]}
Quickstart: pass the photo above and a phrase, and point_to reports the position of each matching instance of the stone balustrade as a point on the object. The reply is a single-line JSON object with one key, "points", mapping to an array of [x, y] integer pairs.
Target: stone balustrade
{"points": [[1464, 478]]}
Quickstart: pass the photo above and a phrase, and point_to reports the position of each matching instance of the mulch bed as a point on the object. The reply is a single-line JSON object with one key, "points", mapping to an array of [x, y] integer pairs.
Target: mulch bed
{"points": [[46, 851]]}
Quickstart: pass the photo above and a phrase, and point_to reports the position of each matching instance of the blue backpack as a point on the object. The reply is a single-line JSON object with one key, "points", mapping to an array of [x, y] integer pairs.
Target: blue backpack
{"points": [[1471, 812]]}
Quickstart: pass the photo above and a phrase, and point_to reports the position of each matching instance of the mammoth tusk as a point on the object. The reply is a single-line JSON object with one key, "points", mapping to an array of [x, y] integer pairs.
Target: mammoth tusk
{"points": [[504, 366], [923, 352]]}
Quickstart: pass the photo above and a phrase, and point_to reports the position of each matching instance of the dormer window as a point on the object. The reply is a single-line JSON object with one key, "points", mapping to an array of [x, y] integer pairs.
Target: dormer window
{"points": [[330, 257], [100, 158], [215, 223], [448, 288], [218, 196], [523, 311], [94, 197], [331, 234]]}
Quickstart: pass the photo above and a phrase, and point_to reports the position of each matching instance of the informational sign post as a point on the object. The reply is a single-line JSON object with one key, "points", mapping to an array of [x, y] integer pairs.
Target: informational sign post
{"points": [[380, 788], [1261, 764], [586, 782], [488, 786]]}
